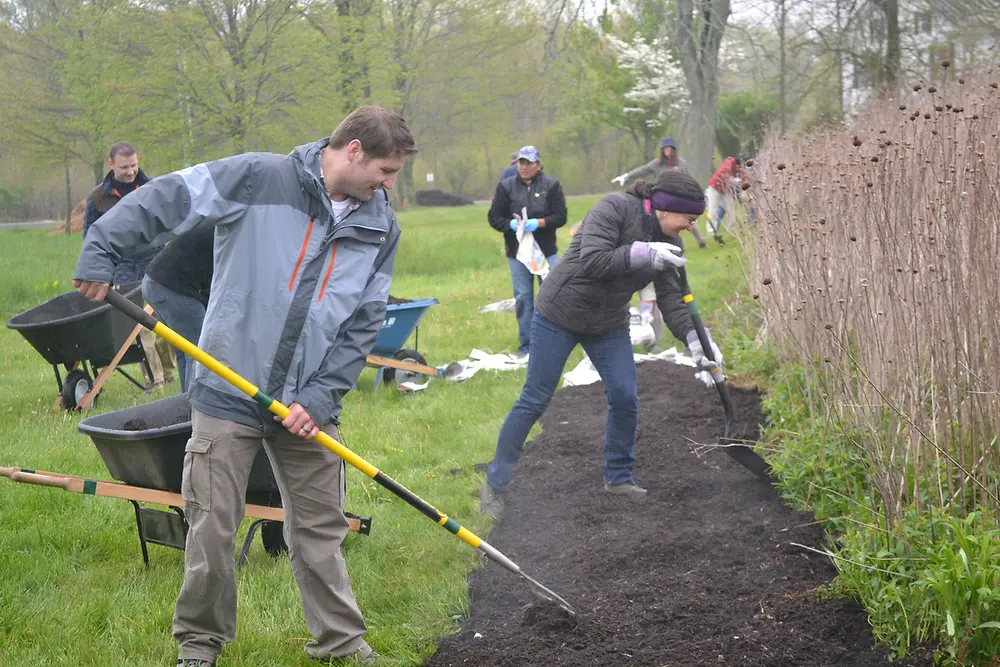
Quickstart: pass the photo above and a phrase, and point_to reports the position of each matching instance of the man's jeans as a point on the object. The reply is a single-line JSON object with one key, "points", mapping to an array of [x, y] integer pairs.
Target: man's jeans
{"points": [[551, 345], [524, 298], [184, 314]]}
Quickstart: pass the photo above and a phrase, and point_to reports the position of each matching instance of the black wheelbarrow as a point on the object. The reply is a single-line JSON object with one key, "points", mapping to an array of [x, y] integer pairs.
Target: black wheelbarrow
{"points": [[143, 447], [72, 331]]}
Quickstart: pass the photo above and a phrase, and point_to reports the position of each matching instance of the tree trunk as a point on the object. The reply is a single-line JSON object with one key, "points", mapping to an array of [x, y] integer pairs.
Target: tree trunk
{"points": [[782, 20], [69, 201], [700, 26], [839, 58], [701, 125], [892, 51]]}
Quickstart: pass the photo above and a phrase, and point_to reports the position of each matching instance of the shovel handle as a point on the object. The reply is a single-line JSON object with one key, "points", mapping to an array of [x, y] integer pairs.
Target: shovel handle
{"points": [[706, 348], [40, 480]]}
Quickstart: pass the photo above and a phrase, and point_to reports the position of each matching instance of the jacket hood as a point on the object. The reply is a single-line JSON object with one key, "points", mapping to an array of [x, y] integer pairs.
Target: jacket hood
{"points": [[306, 159]]}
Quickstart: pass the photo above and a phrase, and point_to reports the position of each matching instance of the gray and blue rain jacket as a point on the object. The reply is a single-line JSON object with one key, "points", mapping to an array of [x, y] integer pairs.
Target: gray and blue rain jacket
{"points": [[297, 298]]}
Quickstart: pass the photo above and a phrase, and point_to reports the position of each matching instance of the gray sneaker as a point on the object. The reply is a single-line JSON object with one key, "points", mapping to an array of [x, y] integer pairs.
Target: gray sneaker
{"points": [[193, 662], [630, 489], [363, 656], [490, 501]]}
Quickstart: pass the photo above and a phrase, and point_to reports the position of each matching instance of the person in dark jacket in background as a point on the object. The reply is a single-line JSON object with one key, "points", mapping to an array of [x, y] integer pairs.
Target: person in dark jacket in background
{"points": [[124, 177], [627, 240], [511, 169], [542, 197], [177, 284]]}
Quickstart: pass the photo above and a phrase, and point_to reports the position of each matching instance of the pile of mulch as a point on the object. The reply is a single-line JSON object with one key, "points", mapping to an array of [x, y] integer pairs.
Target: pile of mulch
{"points": [[700, 572], [440, 198], [75, 220]]}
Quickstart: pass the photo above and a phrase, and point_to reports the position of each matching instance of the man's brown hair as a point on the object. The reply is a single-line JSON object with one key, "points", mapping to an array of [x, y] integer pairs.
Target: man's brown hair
{"points": [[382, 132], [121, 148]]}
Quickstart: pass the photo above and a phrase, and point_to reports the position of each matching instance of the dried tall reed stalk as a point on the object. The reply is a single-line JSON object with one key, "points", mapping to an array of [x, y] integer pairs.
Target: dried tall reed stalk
{"points": [[876, 264]]}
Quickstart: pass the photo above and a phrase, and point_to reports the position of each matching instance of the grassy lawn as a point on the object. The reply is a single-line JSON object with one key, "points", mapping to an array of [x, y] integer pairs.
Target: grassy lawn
{"points": [[73, 589]]}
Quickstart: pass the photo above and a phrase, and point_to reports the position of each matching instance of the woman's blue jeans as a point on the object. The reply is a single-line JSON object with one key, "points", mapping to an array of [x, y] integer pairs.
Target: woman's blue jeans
{"points": [[551, 345], [524, 298]]}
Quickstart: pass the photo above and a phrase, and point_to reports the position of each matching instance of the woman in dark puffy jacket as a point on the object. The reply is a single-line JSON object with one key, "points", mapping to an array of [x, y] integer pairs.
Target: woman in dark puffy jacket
{"points": [[627, 240]]}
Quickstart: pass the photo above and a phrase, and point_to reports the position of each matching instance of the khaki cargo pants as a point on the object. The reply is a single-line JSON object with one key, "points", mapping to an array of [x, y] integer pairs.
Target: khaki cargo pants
{"points": [[217, 466], [160, 355]]}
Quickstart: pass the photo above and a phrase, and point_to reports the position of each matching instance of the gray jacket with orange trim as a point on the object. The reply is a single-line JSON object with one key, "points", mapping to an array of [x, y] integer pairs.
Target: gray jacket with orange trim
{"points": [[297, 298]]}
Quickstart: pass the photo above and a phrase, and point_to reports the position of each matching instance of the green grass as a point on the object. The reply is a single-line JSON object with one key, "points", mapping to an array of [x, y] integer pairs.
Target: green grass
{"points": [[73, 590]]}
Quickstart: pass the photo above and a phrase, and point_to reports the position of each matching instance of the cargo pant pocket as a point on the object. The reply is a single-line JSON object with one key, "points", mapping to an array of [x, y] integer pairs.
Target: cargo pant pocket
{"points": [[196, 485]]}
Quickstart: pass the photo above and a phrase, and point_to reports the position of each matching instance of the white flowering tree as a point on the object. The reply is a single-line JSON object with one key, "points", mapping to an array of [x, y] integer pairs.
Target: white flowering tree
{"points": [[660, 90]]}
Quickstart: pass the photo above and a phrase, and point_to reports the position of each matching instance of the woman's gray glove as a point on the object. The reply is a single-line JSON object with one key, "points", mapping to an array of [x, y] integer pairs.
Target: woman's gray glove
{"points": [[698, 354], [658, 255]]}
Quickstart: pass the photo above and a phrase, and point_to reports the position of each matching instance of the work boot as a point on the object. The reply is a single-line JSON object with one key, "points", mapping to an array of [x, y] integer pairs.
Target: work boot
{"points": [[630, 489], [490, 501]]}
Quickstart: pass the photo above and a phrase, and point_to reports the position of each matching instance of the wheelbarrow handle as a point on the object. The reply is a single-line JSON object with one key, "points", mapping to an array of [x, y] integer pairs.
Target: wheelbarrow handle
{"points": [[193, 351], [41, 480]]}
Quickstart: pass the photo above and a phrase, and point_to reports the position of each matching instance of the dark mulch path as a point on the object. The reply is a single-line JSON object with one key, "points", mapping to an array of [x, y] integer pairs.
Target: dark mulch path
{"points": [[701, 572]]}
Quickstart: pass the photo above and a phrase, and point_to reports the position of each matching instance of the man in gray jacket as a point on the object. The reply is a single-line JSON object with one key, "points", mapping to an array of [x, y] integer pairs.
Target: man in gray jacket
{"points": [[304, 248]]}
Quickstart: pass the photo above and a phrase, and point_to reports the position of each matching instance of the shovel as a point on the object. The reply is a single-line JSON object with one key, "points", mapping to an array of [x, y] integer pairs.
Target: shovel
{"points": [[136, 313], [742, 454]]}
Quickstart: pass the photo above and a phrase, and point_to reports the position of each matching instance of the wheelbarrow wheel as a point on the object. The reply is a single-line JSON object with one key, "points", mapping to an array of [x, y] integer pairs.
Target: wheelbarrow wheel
{"points": [[273, 538], [76, 386], [397, 377]]}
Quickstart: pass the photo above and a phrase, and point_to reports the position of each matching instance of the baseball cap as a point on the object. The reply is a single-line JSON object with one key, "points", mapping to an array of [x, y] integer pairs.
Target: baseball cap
{"points": [[529, 153]]}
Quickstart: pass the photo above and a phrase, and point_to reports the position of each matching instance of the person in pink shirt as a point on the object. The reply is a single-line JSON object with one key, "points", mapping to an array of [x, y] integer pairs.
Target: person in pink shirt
{"points": [[722, 190]]}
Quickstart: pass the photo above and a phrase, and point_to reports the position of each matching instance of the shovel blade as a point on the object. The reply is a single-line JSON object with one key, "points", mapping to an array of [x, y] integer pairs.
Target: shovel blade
{"points": [[750, 460]]}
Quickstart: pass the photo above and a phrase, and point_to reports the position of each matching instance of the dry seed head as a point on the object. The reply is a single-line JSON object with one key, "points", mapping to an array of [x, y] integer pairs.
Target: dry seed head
{"points": [[916, 87], [961, 79], [781, 166], [767, 281], [932, 89], [946, 64], [902, 107]]}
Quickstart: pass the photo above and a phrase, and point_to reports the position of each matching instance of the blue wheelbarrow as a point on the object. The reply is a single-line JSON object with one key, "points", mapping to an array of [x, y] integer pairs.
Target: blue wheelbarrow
{"points": [[395, 363]]}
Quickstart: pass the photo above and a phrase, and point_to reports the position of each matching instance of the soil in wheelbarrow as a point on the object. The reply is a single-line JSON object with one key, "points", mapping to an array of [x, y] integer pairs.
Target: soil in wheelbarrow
{"points": [[700, 572]]}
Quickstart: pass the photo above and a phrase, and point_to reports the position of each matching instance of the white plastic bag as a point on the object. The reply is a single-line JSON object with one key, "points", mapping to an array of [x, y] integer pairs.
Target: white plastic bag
{"points": [[528, 252], [641, 334]]}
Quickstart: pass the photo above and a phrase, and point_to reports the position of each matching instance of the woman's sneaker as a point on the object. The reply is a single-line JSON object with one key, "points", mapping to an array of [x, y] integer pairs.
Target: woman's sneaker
{"points": [[490, 501], [627, 489]]}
